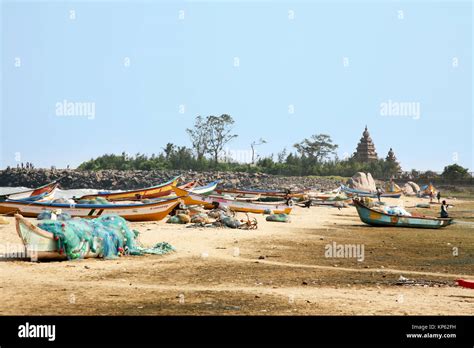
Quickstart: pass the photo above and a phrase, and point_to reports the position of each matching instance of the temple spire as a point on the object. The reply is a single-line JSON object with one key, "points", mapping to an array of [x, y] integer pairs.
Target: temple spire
{"points": [[365, 149], [391, 158]]}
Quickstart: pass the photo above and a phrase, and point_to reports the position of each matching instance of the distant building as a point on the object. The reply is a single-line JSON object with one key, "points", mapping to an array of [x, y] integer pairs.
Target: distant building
{"points": [[392, 159], [365, 149]]}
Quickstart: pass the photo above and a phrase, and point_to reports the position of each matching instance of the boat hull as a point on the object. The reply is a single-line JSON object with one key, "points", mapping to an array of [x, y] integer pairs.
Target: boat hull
{"points": [[210, 202], [33, 194], [466, 283], [161, 190], [132, 212], [376, 218], [262, 193], [329, 202], [40, 244], [206, 189], [352, 192]]}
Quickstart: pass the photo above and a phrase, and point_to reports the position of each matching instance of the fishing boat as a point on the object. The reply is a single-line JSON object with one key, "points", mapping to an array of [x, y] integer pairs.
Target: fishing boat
{"points": [[152, 211], [40, 244], [206, 189], [202, 190], [43, 197], [160, 190], [213, 201], [188, 186], [262, 193], [32, 194], [331, 202], [466, 283], [379, 218], [353, 192], [331, 196]]}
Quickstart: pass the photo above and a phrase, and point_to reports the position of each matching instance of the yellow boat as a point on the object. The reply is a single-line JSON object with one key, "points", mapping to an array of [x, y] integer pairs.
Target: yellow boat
{"points": [[160, 190]]}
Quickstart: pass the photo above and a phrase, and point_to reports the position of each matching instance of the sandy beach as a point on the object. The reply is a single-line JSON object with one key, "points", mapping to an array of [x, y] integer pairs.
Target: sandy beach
{"points": [[278, 269]]}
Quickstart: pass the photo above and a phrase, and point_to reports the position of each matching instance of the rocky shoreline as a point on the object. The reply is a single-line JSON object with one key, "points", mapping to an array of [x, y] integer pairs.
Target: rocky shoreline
{"points": [[134, 179]]}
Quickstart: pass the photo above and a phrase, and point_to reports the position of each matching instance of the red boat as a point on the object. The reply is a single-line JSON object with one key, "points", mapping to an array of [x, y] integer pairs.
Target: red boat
{"points": [[466, 283], [32, 193]]}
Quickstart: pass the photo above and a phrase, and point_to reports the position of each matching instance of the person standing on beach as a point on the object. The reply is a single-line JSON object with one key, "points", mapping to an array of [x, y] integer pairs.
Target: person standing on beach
{"points": [[444, 210], [431, 196], [379, 193], [438, 195]]}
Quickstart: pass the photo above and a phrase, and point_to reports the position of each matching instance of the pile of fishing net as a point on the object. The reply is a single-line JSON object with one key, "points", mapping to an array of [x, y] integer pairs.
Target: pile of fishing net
{"points": [[395, 210], [108, 236], [49, 215], [278, 218]]}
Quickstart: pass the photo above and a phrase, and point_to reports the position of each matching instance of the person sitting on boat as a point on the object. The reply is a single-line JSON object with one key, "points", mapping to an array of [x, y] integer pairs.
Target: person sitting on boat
{"points": [[444, 210]]}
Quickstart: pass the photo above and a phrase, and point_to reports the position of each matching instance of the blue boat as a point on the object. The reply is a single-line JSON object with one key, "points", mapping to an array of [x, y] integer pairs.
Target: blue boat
{"points": [[353, 192], [377, 218]]}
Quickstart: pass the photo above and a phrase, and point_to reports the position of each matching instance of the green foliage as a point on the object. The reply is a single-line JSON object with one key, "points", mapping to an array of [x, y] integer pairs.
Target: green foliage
{"points": [[319, 147], [455, 172], [218, 133], [181, 157]]}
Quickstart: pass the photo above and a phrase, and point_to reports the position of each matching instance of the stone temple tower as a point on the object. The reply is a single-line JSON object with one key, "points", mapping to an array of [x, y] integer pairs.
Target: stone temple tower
{"points": [[365, 149], [391, 158]]}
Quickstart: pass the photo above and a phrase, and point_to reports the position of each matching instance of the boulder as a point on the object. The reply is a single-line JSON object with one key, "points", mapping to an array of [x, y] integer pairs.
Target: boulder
{"points": [[411, 188], [362, 181], [408, 190]]}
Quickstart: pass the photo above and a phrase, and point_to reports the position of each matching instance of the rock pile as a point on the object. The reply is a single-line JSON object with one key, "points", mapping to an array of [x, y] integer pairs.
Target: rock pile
{"points": [[128, 180]]}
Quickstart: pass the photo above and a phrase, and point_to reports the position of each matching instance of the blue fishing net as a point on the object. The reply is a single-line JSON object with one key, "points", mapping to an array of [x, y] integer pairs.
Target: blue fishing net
{"points": [[46, 215], [108, 236]]}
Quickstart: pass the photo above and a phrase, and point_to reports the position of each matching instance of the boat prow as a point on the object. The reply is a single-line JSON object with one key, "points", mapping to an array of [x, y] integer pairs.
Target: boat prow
{"points": [[466, 283], [39, 244]]}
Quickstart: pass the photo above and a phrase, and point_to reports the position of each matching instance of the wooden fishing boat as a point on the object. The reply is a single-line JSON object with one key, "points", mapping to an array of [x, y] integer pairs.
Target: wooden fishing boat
{"points": [[202, 190], [160, 190], [212, 201], [40, 244], [263, 193], [206, 189], [331, 202], [153, 211], [353, 192], [43, 197], [378, 218], [188, 186], [32, 194], [466, 283]]}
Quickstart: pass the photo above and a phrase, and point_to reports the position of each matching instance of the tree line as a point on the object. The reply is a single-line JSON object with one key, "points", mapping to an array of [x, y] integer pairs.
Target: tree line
{"points": [[209, 135]]}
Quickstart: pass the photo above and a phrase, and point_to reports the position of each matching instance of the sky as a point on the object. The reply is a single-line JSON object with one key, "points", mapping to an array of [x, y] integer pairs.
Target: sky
{"points": [[80, 79]]}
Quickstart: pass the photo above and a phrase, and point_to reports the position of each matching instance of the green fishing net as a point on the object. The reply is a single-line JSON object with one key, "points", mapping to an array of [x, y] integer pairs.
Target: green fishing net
{"points": [[278, 218], [109, 236]]}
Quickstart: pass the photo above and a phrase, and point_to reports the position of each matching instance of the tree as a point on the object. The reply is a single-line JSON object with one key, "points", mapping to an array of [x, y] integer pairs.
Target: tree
{"points": [[256, 143], [455, 172], [218, 133], [198, 137], [168, 150], [282, 155], [317, 148]]}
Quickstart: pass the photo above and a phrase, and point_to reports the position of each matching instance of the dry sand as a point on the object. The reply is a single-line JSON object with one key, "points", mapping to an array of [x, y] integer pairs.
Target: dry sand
{"points": [[281, 269]]}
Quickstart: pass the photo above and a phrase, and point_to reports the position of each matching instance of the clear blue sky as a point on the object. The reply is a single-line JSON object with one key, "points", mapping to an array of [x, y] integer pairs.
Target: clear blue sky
{"points": [[190, 61]]}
